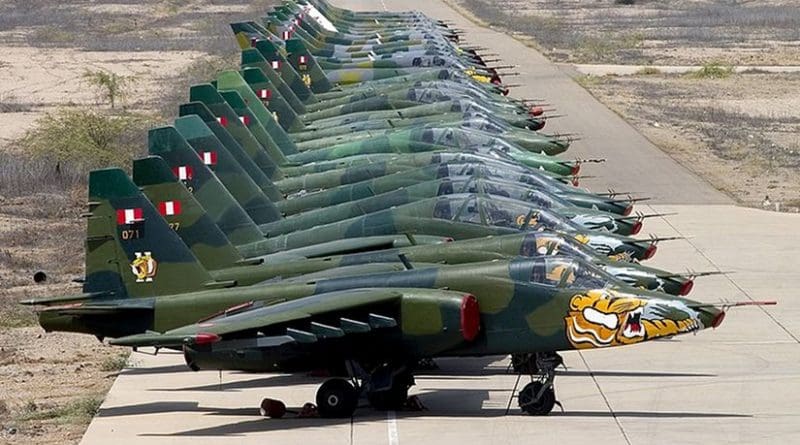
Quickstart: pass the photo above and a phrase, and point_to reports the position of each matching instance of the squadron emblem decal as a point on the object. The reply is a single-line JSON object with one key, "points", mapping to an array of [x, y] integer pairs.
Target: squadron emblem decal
{"points": [[144, 266]]}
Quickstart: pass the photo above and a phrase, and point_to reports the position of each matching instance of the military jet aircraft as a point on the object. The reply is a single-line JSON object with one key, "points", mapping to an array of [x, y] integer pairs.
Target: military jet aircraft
{"points": [[489, 308]]}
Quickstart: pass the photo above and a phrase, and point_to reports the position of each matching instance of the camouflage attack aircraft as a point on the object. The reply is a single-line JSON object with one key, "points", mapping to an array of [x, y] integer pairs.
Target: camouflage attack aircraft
{"points": [[497, 307], [224, 262], [361, 195]]}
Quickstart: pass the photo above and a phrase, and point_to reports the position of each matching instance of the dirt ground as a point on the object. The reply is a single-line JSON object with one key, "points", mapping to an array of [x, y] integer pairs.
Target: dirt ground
{"points": [[52, 384], [740, 131]]}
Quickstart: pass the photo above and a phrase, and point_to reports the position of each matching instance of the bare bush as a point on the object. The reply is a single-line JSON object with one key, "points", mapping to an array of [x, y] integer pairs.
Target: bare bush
{"points": [[176, 90], [22, 175], [9, 103], [110, 86]]}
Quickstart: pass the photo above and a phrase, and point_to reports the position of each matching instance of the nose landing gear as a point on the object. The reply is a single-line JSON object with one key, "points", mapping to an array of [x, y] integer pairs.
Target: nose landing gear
{"points": [[538, 397]]}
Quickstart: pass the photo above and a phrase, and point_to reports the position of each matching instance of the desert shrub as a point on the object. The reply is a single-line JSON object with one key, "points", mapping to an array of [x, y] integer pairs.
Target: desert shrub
{"points": [[16, 316], [713, 70], [114, 363], [648, 71], [112, 87], [87, 139], [76, 411]]}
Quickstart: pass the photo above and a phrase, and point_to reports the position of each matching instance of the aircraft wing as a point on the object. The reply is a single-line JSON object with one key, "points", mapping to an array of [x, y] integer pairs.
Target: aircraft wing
{"points": [[280, 323]]}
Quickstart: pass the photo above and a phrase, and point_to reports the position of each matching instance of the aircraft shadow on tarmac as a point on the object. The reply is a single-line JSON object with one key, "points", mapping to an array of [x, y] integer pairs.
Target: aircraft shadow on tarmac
{"points": [[467, 403], [269, 381], [474, 370]]}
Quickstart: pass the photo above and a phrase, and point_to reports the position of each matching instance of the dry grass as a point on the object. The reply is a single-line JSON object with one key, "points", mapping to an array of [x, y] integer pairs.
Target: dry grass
{"points": [[731, 130], [664, 33]]}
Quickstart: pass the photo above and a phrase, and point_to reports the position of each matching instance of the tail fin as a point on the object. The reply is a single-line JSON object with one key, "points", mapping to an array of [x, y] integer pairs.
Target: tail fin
{"points": [[226, 213], [184, 214], [271, 98], [305, 64], [253, 159], [252, 58], [131, 247], [286, 71], [233, 122], [230, 173], [297, 28], [247, 33], [245, 97]]}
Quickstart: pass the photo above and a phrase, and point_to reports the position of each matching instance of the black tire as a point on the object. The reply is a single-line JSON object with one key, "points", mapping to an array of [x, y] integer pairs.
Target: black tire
{"points": [[541, 407], [336, 398]]}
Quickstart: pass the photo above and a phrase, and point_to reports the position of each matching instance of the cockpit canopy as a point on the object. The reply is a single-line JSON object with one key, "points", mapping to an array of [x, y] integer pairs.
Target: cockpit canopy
{"points": [[496, 211], [565, 272]]}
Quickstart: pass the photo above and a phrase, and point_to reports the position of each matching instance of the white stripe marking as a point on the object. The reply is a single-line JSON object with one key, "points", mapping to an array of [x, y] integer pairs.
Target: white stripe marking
{"points": [[391, 426]]}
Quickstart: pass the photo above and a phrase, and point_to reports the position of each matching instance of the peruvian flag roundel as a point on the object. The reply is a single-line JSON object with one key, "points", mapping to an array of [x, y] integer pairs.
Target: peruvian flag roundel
{"points": [[129, 216], [286, 35], [223, 121], [183, 172], [245, 120], [169, 208], [275, 64], [209, 157], [303, 60], [265, 93]]}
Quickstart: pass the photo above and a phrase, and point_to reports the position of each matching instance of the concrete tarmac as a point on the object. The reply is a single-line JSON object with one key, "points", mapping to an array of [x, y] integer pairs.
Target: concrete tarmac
{"points": [[739, 383]]}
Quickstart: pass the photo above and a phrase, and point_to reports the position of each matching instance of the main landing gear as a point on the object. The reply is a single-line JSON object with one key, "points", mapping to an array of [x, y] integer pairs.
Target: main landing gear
{"points": [[538, 397], [385, 387]]}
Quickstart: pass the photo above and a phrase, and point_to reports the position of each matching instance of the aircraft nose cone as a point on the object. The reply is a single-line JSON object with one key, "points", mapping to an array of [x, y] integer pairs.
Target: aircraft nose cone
{"points": [[636, 227], [650, 251], [628, 210], [686, 287], [712, 317]]}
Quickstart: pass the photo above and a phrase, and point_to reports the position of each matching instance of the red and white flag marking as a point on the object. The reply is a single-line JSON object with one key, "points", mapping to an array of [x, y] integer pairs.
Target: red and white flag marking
{"points": [[169, 208], [129, 216], [184, 172], [223, 121], [275, 64], [209, 157], [245, 120], [265, 93]]}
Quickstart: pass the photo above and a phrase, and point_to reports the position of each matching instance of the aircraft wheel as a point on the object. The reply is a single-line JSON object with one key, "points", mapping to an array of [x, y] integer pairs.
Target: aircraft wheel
{"points": [[336, 398], [528, 402]]}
